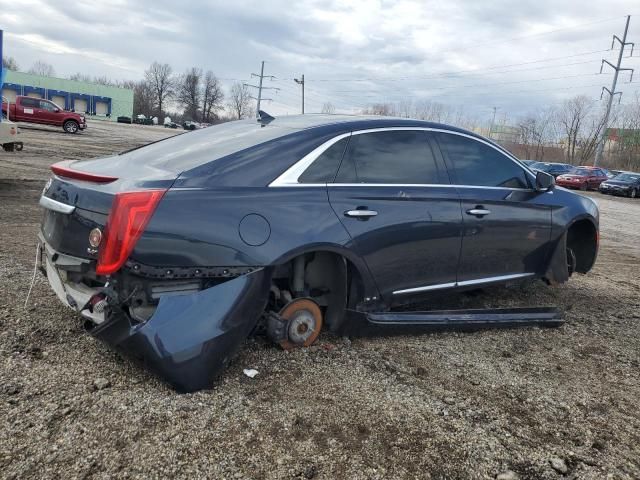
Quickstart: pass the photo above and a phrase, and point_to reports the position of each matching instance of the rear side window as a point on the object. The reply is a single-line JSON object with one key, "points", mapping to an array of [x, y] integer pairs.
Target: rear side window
{"points": [[397, 157], [476, 163], [324, 168], [30, 102]]}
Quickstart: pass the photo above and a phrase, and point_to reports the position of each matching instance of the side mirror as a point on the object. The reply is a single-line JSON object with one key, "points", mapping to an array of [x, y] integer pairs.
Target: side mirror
{"points": [[544, 181], [56, 110]]}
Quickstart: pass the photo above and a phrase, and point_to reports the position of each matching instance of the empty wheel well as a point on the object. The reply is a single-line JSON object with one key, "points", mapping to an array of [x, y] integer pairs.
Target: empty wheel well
{"points": [[328, 278], [582, 239]]}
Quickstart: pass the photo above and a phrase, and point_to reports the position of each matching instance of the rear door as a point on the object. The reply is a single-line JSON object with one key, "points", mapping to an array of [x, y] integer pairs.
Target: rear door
{"points": [[393, 195], [598, 176], [507, 225], [27, 109]]}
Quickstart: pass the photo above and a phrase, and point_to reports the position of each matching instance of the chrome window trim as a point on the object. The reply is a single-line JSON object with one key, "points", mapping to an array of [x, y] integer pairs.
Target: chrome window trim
{"points": [[56, 206], [464, 283], [399, 185], [289, 178]]}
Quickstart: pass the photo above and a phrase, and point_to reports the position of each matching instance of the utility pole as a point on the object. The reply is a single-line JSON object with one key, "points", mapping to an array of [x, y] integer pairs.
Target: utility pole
{"points": [[612, 93], [259, 99], [493, 121], [301, 82]]}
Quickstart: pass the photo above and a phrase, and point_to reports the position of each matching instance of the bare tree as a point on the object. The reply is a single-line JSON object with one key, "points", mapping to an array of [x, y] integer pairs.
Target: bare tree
{"points": [[383, 109], [42, 68], [80, 77], [240, 101], [142, 97], [9, 63], [571, 116], [161, 82], [212, 97], [189, 94], [328, 108], [536, 131], [624, 138]]}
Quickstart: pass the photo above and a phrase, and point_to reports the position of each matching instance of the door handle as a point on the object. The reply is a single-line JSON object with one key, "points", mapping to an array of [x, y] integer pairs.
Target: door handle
{"points": [[361, 214], [478, 211]]}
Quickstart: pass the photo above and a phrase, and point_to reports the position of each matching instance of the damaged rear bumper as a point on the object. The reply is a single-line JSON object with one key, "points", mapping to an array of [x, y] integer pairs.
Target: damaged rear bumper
{"points": [[190, 338]]}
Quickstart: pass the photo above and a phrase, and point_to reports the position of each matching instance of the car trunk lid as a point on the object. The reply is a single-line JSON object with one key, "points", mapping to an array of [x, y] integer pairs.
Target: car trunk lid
{"points": [[79, 198]]}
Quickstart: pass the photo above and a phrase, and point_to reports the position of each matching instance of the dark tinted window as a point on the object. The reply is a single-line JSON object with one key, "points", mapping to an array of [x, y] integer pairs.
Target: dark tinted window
{"points": [[389, 157], [324, 168], [30, 102], [476, 163]]}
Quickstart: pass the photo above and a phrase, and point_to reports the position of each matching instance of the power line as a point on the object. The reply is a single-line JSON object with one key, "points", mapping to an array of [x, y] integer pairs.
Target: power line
{"points": [[453, 73]]}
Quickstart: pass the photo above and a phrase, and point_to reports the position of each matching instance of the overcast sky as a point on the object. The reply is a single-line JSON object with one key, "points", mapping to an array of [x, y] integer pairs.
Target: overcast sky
{"points": [[353, 52]]}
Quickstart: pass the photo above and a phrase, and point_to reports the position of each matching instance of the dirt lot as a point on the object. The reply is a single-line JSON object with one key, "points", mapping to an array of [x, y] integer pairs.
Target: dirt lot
{"points": [[442, 405]]}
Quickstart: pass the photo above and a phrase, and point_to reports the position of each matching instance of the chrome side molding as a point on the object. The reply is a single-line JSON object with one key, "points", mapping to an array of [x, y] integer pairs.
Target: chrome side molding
{"points": [[55, 206], [464, 283]]}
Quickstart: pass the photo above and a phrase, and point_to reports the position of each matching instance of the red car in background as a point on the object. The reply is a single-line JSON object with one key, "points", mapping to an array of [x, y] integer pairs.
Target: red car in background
{"points": [[583, 178], [39, 110]]}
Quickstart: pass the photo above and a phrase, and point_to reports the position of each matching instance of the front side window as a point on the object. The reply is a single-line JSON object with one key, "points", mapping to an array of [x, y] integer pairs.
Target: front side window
{"points": [[47, 105], [476, 163], [395, 157]]}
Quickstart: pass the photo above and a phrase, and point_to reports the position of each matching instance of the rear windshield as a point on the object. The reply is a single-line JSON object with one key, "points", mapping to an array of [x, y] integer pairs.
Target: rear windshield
{"points": [[188, 150], [580, 171]]}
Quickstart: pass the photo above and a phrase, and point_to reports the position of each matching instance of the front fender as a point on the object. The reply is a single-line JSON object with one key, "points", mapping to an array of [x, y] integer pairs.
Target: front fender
{"points": [[190, 338]]}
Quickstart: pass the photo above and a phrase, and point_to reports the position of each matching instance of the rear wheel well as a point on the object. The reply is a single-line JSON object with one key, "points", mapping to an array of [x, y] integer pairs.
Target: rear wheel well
{"points": [[329, 278], [582, 240]]}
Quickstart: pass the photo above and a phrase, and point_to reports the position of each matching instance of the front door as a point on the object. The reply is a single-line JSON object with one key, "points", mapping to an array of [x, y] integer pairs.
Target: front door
{"points": [[48, 113], [393, 196], [507, 226]]}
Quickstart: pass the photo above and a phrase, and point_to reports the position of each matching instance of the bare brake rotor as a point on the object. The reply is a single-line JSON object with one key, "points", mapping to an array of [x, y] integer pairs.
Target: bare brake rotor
{"points": [[303, 323]]}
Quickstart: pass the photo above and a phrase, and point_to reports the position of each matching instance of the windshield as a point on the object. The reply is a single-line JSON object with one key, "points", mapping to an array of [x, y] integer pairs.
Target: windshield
{"points": [[544, 167], [628, 177]]}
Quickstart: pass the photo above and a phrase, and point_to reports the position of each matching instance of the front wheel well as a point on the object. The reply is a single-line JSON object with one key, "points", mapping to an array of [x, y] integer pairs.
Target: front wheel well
{"points": [[582, 240]]}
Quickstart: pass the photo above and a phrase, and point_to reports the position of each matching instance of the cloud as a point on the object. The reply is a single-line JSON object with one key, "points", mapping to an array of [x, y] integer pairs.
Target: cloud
{"points": [[352, 52]]}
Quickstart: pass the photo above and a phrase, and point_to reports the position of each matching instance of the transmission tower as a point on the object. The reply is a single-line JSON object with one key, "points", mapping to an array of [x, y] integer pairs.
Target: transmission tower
{"points": [[617, 68]]}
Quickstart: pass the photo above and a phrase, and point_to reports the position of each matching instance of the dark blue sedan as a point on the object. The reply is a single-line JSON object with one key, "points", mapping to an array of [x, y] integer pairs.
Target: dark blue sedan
{"points": [[175, 252]]}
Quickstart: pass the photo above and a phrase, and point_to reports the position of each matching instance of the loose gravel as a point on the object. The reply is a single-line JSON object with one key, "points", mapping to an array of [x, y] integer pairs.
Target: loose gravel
{"points": [[530, 403]]}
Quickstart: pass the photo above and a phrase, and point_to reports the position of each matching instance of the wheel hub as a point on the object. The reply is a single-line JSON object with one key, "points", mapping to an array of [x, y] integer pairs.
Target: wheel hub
{"points": [[303, 319]]}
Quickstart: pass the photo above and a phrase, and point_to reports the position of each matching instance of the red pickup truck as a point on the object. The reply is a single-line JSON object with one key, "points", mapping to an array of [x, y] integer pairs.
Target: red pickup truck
{"points": [[39, 110]]}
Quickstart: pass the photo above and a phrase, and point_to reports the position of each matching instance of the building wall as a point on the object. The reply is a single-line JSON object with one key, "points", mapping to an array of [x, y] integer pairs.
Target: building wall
{"points": [[107, 102]]}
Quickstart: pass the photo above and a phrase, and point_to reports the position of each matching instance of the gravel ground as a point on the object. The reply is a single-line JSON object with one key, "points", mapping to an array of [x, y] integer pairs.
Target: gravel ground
{"points": [[524, 403]]}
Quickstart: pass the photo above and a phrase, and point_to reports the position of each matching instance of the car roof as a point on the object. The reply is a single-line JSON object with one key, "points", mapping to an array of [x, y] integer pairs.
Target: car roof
{"points": [[301, 122]]}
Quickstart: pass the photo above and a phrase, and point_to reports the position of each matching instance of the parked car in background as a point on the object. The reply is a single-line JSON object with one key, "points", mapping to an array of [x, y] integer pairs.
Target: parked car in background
{"points": [[176, 251], [189, 125], [123, 119], [171, 125], [528, 163], [583, 178], [627, 184], [552, 168], [45, 112]]}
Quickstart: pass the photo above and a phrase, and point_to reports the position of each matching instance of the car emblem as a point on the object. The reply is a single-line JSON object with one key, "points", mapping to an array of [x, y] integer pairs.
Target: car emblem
{"points": [[46, 186]]}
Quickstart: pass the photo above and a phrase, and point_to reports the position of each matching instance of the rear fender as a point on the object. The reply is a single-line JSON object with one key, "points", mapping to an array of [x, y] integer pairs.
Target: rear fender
{"points": [[190, 338]]}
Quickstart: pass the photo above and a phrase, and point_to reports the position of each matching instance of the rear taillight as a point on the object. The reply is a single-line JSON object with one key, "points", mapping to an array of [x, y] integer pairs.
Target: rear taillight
{"points": [[130, 213], [62, 170]]}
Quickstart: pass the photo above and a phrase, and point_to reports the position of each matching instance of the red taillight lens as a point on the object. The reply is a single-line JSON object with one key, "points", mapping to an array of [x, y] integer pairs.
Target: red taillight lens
{"points": [[130, 213], [62, 170]]}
